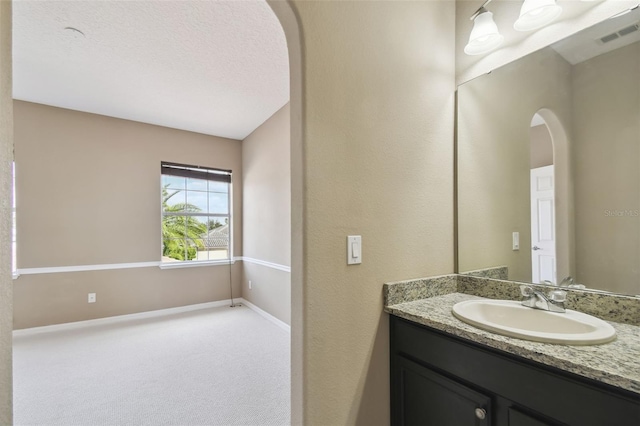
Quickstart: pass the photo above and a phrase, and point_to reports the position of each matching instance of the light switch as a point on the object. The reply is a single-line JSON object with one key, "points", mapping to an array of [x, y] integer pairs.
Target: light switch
{"points": [[516, 241], [354, 249]]}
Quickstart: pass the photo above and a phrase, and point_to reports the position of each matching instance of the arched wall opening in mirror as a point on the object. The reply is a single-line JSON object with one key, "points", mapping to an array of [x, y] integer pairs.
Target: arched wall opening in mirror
{"points": [[550, 251], [543, 215], [562, 195]]}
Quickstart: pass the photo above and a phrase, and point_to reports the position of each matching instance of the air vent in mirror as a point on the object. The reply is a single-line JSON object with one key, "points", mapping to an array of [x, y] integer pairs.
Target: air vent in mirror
{"points": [[628, 30], [610, 37], [620, 33]]}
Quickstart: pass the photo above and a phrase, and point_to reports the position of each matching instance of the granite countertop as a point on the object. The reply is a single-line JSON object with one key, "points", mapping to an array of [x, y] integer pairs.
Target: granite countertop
{"points": [[616, 363]]}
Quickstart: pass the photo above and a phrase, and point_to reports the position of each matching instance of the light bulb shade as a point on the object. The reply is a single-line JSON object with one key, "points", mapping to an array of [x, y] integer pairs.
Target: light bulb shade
{"points": [[484, 35], [536, 14]]}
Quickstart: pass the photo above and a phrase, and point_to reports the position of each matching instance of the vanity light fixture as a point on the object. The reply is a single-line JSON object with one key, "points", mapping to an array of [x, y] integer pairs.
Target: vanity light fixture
{"points": [[536, 14], [484, 36]]}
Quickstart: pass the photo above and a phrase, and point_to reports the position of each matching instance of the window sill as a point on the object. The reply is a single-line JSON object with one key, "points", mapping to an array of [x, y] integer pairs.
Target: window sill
{"points": [[15, 275], [191, 264]]}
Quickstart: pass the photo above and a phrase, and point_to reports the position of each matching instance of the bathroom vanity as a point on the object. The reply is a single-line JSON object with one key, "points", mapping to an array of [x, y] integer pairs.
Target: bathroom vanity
{"points": [[534, 209], [446, 372]]}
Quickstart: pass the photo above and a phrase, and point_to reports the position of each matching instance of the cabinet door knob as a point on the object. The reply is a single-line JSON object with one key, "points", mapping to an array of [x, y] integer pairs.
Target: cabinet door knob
{"points": [[481, 413]]}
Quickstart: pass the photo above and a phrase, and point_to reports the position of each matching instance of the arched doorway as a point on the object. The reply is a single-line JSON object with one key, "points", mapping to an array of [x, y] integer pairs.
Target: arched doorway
{"points": [[287, 17], [290, 24], [562, 193], [543, 233]]}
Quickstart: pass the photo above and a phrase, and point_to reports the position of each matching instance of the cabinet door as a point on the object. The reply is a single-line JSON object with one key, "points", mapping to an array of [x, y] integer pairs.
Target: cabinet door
{"points": [[546, 394], [519, 418], [428, 398]]}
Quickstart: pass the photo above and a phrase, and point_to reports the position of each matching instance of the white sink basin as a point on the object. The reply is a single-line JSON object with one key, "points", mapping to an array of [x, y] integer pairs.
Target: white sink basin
{"points": [[510, 318]]}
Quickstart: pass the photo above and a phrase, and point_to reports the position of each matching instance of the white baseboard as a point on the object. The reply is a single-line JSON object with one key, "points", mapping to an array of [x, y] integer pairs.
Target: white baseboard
{"points": [[149, 314], [283, 325]]}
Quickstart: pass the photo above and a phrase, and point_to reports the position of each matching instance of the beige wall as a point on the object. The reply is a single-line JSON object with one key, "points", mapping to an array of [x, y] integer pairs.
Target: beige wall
{"points": [[494, 116], [607, 168], [6, 157], [270, 289], [267, 215], [541, 147], [377, 121], [59, 298], [88, 193]]}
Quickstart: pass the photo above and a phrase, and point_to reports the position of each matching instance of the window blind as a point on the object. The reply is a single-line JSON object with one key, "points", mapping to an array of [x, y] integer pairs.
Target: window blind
{"points": [[196, 172]]}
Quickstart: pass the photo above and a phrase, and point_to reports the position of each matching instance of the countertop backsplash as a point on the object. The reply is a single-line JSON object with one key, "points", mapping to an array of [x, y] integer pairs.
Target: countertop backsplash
{"points": [[428, 301], [607, 306]]}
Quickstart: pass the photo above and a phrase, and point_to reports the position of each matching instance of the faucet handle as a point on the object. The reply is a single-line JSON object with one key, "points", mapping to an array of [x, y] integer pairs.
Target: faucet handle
{"points": [[567, 281], [558, 296], [578, 286], [526, 291]]}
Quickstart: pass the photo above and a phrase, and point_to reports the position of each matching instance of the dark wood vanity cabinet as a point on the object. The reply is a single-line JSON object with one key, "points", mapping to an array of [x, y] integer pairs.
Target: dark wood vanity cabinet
{"points": [[440, 380]]}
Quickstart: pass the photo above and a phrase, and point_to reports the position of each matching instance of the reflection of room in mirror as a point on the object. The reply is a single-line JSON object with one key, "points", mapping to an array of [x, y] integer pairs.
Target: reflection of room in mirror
{"points": [[542, 192], [589, 85]]}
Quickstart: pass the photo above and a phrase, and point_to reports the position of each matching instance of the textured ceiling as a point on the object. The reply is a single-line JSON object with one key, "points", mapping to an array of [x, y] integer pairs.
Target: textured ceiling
{"points": [[214, 67]]}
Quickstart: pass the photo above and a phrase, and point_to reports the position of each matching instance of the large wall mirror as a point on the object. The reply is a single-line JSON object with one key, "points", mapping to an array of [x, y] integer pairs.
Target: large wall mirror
{"points": [[548, 151]]}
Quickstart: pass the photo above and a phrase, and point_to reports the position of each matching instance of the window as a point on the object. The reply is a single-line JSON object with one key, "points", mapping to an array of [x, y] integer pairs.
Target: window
{"points": [[196, 215]]}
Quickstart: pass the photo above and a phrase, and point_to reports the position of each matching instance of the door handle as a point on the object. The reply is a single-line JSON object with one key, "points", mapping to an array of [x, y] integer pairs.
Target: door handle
{"points": [[536, 248]]}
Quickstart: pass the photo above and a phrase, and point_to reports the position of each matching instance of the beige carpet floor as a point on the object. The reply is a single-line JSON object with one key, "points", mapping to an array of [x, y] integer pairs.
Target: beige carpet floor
{"points": [[216, 366]]}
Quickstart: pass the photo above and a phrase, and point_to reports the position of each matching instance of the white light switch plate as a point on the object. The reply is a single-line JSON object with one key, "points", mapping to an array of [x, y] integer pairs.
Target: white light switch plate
{"points": [[354, 249], [516, 241]]}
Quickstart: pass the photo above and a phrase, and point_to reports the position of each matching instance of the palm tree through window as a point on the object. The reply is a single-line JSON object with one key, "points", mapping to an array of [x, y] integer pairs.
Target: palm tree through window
{"points": [[196, 218]]}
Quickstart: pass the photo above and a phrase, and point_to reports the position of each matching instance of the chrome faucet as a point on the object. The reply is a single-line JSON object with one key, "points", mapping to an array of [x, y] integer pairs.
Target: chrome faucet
{"points": [[567, 282], [553, 302]]}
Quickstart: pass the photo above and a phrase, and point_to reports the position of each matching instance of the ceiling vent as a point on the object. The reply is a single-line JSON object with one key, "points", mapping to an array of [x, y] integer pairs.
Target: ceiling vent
{"points": [[620, 33]]}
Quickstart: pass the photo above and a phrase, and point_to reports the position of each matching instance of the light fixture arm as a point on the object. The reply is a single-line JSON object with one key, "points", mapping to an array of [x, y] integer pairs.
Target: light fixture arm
{"points": [[480, 10]]}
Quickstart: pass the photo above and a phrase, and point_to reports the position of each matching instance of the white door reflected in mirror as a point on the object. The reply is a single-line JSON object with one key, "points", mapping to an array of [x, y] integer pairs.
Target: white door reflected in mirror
{"points": [[543, 253]]}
